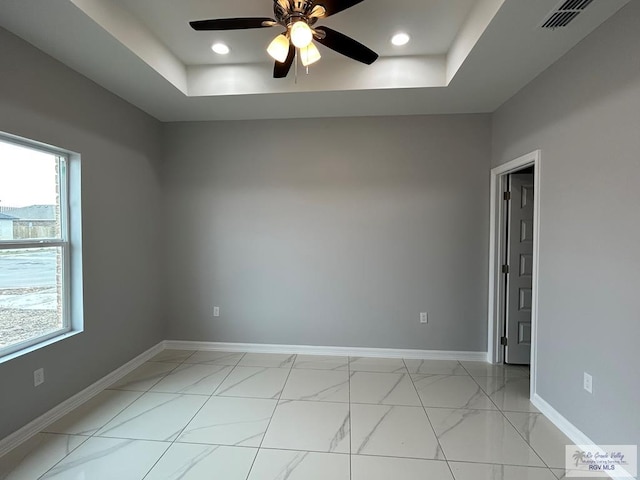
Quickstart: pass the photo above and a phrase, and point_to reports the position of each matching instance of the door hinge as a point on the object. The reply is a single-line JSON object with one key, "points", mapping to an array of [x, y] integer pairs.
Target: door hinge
{"points": [[503, 341], [505, 268], [507, 195]]}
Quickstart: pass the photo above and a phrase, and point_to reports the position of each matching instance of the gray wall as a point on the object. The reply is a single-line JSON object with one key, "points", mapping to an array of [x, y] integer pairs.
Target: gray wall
{"points": [[584, 113], [333, 232], [43, 100]]}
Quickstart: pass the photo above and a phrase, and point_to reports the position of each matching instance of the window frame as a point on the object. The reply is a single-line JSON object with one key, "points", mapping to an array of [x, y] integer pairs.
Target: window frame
{"points": [[63, 242]]}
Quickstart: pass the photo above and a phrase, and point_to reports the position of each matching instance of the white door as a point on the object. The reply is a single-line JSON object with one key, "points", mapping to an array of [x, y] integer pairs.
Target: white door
{"points": [[520, 269]]}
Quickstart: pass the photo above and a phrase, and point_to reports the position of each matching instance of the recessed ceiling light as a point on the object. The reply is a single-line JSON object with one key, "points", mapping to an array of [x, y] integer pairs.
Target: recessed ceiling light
{"points": [[220, 48], [400, 39]]}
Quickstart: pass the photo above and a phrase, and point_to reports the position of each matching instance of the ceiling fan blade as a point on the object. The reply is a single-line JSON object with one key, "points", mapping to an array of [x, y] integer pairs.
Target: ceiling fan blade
{"points": [[232, 23], [281, 70], [332, 7], [346, 46]]}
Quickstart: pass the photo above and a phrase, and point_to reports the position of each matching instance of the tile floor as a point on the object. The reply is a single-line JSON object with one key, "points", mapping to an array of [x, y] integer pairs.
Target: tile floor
{"points": [[232, 416]]}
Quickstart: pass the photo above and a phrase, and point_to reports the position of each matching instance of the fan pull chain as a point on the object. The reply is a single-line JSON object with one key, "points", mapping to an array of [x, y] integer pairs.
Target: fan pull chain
{"points": [[295, 81]]}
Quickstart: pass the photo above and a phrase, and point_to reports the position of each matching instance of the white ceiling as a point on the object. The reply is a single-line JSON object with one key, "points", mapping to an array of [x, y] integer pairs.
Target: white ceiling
{"points": [[465, 56], [434, 25]]}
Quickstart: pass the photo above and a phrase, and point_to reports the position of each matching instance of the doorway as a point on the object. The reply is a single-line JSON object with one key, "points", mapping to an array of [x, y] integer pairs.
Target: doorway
{"points": [[513, 257]]}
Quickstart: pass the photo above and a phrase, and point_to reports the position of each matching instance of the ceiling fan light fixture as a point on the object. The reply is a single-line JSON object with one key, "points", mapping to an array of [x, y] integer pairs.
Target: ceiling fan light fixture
{"points": [[279, 48], [309, 55], [301, 34], [400, 39], [220, 48]]}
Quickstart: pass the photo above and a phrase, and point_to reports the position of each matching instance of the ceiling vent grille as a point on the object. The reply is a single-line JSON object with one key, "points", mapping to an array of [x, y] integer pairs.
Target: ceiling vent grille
{"points": [[565, 13]]}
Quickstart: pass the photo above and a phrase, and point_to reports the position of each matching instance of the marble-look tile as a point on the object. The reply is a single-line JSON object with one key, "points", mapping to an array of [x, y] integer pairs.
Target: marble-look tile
{"points": [[385, 468], [37, 455], [92, 415], [481, 436], [296, 465], [195, 379], [254, 382], [451, 391], [485, 471], [545, 438], [154, 416], [215, 358], [561, 474], [318, 385], [321, 362], [435, 367], [509, 394], [230, 421], [383, 389], [107, 459], [172, 356], [196, 462], [315, 426], [274, 360], [395, 431], [379, 365], [144, 377], [484, 369]]}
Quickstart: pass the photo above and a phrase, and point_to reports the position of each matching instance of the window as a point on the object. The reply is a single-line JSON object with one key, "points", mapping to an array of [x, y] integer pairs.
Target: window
{"points": [[35, 246]]}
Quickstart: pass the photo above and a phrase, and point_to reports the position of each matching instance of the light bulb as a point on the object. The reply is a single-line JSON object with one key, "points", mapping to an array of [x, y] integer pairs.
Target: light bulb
{"points": [[309, 55], [279, 48], [301, 34]]}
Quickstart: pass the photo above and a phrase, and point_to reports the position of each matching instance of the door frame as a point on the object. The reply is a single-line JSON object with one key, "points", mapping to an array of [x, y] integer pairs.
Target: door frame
{"points": [[495, 354]]}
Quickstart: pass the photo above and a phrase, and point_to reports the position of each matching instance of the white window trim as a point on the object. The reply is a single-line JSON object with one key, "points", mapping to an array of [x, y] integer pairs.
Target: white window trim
{"points": [[69, 242]]}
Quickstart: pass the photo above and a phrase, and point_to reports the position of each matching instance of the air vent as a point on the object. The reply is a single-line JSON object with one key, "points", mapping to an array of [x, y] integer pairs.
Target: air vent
{"points": [[565, 13]]}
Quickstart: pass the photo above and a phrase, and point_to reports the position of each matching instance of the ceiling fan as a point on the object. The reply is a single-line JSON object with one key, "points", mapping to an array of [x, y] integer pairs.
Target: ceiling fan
{"points": [[298, 17]]}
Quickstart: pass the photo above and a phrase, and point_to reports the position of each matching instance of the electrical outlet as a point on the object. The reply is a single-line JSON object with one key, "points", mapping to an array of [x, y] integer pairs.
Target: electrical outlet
{"points": [[588, 382], [38, 377], [216, 311], [424, 318]]}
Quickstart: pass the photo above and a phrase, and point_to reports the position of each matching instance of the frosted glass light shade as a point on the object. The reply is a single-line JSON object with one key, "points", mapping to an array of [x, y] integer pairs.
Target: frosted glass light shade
{"points": [[400, 39], [309, 55], [279, 48], [301, 34], [220, 48]]}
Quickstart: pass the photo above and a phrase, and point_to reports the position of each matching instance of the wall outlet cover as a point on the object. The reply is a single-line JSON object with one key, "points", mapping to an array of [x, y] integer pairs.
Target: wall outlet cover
{"points": [[216, 311], [424, 318], [588, 382], [38, 377]]}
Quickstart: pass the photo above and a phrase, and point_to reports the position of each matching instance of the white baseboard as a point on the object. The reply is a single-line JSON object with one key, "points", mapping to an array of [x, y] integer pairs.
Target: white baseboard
{"points": [[570, 430], [319, 350], [565, 426], [57, 412]]}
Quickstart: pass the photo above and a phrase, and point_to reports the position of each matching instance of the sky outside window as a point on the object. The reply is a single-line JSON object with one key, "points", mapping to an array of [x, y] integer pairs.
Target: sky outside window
{"points": [[27, 177]]}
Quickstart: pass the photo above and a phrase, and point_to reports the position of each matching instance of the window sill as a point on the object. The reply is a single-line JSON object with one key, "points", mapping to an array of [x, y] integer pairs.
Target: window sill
{"points": [[37, 346]]}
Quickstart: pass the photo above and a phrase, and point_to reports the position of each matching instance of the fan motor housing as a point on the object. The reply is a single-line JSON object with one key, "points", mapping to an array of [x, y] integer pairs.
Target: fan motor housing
{"points": [[297, 11]]}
